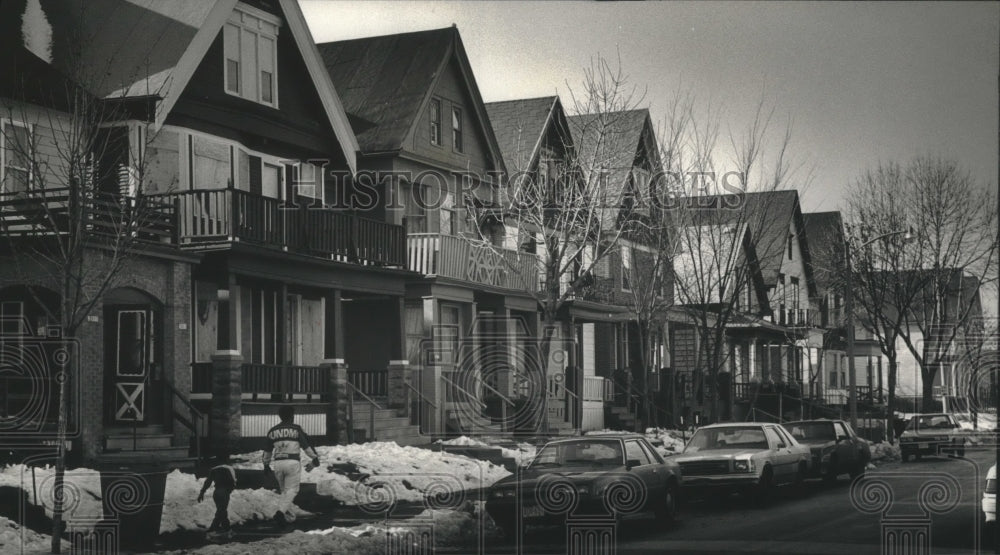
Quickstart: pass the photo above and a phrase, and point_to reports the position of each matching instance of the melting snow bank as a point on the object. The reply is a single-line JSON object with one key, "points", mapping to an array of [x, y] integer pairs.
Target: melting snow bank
{"points": [[883, 452], [448, 528], [16, 539], [181, 510], [388, 472]]}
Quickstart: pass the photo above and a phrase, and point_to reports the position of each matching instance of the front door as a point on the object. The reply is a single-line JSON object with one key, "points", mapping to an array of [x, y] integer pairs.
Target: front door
{"points": [[131, 366]]}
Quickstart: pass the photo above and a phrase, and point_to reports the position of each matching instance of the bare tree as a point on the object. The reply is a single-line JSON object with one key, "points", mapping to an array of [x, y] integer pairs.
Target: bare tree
{"points": [[921, 292], [573, 208], [74, 211], [723, 213]]}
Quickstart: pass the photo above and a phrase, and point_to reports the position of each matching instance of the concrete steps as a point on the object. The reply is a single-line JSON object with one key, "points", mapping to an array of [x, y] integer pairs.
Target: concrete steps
{"points": [[145, 444], [389, 426]]}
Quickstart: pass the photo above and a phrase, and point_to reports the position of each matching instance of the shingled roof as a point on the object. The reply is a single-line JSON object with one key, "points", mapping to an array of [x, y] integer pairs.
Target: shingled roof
{"points": [[826, 237], [608, 141], [385, 81], [519, 126]]}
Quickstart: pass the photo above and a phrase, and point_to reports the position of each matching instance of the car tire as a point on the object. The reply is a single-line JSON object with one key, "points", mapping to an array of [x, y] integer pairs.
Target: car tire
{"points": [[667, 512], [859, 470], [831, 471], [765, 487]]}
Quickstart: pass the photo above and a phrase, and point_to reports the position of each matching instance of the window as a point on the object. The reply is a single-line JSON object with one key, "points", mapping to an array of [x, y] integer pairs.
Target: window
{"points": [[790, 246], [416, 209], [210, 164], [626, 255], [635, 453], [795, 293], [773, 438], [456, 130], [448, 222], [16, 155], [435, 122], [250, 50], [833, 379], [841, 429]]}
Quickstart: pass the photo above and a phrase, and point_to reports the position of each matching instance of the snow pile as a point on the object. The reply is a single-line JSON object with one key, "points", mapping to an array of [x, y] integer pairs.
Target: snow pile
{"points": [[15, 539], [667, 442], [884, 452], [464, 441], [395, 473], [181, 510], [607, 432], [523, 454], [450, 528]]}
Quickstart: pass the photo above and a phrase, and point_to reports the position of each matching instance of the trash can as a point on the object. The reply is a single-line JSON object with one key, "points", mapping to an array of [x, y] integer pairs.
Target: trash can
{"points": [[132, 496]]}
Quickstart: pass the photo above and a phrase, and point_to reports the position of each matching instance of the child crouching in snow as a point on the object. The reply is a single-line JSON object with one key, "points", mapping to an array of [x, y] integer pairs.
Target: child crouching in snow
{"points": [[223, 475]]}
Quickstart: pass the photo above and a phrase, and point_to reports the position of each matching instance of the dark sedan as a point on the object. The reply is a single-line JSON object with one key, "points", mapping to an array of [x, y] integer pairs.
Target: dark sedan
{"points": [[836, 449], [601, 475]]}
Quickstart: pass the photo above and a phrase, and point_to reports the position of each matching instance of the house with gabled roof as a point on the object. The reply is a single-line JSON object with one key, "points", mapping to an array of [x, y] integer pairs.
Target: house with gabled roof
{"points": [[427, 146], [258, 288]]}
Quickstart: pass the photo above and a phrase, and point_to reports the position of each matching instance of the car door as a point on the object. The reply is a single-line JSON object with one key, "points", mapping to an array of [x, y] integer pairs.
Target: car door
{"points": [[847, 452], [646, 471], [660, 472], [780, 454], [795, 451]]}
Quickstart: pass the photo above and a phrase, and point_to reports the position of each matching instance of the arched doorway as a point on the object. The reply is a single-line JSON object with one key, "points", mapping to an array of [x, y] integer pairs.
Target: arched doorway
{"points": [[133, 358]]}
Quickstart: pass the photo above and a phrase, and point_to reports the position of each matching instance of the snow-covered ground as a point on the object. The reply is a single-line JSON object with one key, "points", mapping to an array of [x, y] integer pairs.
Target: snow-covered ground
{"points": [[15, 539], [522, 454], [400, 473], [449, 528]]}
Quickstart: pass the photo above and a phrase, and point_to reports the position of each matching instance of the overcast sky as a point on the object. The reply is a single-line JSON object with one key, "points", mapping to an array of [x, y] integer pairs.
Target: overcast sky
{"points": [[863, 82]]}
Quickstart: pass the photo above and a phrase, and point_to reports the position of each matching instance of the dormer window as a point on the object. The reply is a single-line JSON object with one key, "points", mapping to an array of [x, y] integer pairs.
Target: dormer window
{"points": [[251, 55]]}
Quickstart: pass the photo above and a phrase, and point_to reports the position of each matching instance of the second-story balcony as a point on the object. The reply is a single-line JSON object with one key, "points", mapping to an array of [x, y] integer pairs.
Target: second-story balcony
{"points": [[472, 260], [210, 218]]}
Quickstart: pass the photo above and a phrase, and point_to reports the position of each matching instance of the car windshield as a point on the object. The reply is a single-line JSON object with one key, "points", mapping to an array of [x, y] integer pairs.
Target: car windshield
{"points": [[938, 421], [812, 432], [607, 452], [730, 437]]}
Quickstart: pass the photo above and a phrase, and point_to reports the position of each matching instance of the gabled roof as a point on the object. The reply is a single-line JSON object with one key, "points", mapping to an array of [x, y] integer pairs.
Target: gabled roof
{"points": [[120, 49], [385, 82], [825, 232], [610, 141], [520, 126]]}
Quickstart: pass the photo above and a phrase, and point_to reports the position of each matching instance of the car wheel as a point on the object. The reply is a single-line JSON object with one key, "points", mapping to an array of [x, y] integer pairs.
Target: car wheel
{"points": [[831, 471], [858, 470], [667, 512], [765, 487]]}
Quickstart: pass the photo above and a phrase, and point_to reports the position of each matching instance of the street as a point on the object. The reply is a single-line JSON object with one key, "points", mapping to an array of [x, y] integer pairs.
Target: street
{"points": [[820, 519]]}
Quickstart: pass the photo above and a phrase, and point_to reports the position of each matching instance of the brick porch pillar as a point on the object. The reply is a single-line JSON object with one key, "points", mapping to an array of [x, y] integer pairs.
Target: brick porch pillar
{"points": [[398, 377], [336, 412], [227, 393]]}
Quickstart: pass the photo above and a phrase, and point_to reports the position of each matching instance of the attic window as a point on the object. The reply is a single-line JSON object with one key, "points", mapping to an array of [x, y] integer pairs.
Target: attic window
{"points": [[435, 122], [456, 130], [790, 246], [251, 55]]}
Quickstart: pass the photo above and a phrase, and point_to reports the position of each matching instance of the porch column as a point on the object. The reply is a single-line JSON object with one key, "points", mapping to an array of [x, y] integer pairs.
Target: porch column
{"points": [[399, 367], [281, 331], [337, 425], [752, 359], [432, 405], [227, 391]]}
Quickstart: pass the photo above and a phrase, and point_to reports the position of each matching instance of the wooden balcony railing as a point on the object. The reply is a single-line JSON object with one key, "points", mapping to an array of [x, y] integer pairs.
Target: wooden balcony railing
{"points": [[601, 289], [284, 380], [373, 383], [229, 215], [44, 212], [470, 260]]}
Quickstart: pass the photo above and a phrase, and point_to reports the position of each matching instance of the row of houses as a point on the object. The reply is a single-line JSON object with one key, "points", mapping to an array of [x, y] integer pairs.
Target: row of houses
{"points": [[309, 237]]}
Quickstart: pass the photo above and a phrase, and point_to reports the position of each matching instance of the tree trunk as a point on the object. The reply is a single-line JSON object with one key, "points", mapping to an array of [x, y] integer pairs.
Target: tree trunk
{"points": [[890, 431], [927, 374]]}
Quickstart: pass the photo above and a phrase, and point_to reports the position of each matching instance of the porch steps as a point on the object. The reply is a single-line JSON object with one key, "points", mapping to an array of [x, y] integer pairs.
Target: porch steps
{"points": [[147, 444], [389, 426], [619, 418]]}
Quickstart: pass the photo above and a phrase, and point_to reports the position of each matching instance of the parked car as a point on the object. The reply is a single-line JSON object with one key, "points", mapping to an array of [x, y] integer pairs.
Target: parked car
{"points": [[990, 496], [601, 469], [931, 434], [751, 458], [836, 449]]}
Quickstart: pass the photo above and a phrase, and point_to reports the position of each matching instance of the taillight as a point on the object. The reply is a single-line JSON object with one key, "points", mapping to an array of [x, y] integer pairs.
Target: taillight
{"points": [[991, 485]]}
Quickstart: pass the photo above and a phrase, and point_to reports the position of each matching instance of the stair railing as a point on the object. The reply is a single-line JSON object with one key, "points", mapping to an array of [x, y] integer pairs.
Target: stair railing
{"points": [[195, 422], [372, 405]]}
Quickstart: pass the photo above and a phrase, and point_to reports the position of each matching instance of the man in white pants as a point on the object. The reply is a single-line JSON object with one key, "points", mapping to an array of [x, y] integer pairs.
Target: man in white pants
{"points": [[285, 442]]}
